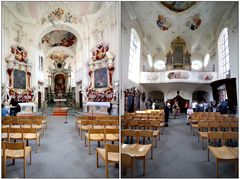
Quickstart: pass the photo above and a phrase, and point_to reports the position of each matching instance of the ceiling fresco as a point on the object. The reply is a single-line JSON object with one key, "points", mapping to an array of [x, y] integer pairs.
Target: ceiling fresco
{"points": [[178, 6], [59, 38]]}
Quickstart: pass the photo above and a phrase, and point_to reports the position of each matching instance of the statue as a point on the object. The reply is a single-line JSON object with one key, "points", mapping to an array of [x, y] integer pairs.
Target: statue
{"points": [[35, 91], [5, 92]]}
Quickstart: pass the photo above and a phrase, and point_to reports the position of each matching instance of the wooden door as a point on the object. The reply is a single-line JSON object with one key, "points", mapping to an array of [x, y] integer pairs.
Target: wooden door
{"points": [[39, 99]]}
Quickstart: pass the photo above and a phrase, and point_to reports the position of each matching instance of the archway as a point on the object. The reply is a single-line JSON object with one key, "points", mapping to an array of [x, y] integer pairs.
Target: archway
{"points": [[200, 95], [59, 85], [159, 96]]}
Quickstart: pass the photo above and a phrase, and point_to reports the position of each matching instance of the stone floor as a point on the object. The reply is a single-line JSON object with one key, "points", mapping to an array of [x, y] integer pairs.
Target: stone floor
{"points": [[62, 155]]}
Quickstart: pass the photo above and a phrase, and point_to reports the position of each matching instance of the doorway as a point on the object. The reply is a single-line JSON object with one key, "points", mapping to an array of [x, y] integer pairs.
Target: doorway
{"points": [[39, 99]]}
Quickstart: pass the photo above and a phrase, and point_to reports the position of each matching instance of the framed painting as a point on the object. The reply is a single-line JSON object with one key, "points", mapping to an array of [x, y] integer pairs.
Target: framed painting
{"points": [[101, 78], [19, 79]]}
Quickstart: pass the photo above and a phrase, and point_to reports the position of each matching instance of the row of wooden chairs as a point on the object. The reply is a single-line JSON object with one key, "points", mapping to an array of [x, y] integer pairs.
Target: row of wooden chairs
{"points": [[25, 123], [107, 118], [205, 126], [23, 134], [145, 124], [101, 135], [220, 125], [43, 118], [86, 124]]}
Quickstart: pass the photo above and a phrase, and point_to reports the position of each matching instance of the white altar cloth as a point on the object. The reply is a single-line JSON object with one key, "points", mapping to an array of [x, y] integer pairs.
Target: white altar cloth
{"points": [[27, 108], [107, 104], [59, 100]]}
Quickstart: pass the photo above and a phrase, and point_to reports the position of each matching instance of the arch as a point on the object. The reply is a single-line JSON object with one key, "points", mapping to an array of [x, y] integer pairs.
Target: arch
{"points": [[157, 95], [200, 95]]}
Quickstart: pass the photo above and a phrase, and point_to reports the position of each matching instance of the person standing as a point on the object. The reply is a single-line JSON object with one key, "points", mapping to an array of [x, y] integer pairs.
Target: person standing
{"points": [[189, 113], [166, 111]]}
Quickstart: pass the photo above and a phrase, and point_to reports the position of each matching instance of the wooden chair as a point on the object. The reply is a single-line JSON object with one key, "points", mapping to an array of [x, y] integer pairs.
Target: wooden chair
{"points": [[154, 125], [224, 126], [230, 139], [234, 126], [15, 134], [202, 133], [94, 135], [145, 134], [128, 133], [214, 140], [109, 155], [5, 134], [31, 134], [84, 126], [15, 151], [111, 135], [127, 161]]}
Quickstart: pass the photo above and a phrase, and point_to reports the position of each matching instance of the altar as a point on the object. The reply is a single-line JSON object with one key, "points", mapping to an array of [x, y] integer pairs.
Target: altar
{"points": [[60, 102], [99, 107], [27, 108]]}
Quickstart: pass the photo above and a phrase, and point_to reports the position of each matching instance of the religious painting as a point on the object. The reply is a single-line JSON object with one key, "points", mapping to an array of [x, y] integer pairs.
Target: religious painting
{"points": [[194, 22], [178, 75], [59, 38], [163, 23], [101, 78], [19, 79], [178, 6], [205, 76]]}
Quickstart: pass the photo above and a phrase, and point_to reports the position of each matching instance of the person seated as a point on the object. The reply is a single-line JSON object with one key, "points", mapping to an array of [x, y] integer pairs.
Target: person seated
{"points": [[14, 107], [5, 111]]}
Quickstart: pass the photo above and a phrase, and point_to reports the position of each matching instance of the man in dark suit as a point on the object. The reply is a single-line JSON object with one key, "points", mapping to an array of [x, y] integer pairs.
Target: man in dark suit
{"points": [[166, 111]]}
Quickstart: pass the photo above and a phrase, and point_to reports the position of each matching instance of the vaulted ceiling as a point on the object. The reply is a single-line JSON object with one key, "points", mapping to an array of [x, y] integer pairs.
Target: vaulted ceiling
{"points": [[40, 9], [199, 40]]}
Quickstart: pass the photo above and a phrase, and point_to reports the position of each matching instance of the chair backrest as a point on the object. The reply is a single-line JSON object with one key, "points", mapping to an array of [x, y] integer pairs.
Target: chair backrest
{"points": [[13, 145], [29, 130], [213, 126], [96, 131], [234, 126], [127, 133], [223, 126], [230, 138], [111, 148], [203, 126], [144, 133], [111, 131], [215, 138], [86, 122]]}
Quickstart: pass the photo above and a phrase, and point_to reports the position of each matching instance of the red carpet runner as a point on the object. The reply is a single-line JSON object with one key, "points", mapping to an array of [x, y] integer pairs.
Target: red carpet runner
{"points": [[59, 112]]}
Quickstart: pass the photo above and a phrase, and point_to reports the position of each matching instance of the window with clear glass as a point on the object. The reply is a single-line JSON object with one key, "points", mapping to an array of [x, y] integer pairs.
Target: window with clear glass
{"points": [[134, 57], [223, 54]]}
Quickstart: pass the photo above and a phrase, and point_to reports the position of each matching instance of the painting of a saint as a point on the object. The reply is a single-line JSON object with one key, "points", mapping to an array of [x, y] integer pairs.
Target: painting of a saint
{"points": [[101, 78]]}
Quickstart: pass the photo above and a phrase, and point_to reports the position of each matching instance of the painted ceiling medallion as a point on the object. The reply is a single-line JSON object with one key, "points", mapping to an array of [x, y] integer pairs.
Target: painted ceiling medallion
{"points": [[163, 23], [194, 22], [178, 6], [59, 38]]}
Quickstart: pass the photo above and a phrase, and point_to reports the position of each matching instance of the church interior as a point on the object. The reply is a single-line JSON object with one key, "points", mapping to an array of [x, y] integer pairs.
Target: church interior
{"points": [[120, 89]]}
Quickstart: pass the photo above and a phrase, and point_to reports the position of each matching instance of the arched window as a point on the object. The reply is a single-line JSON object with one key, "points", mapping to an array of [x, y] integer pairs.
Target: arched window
{"points": [[134, 57], [223, 55]]}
